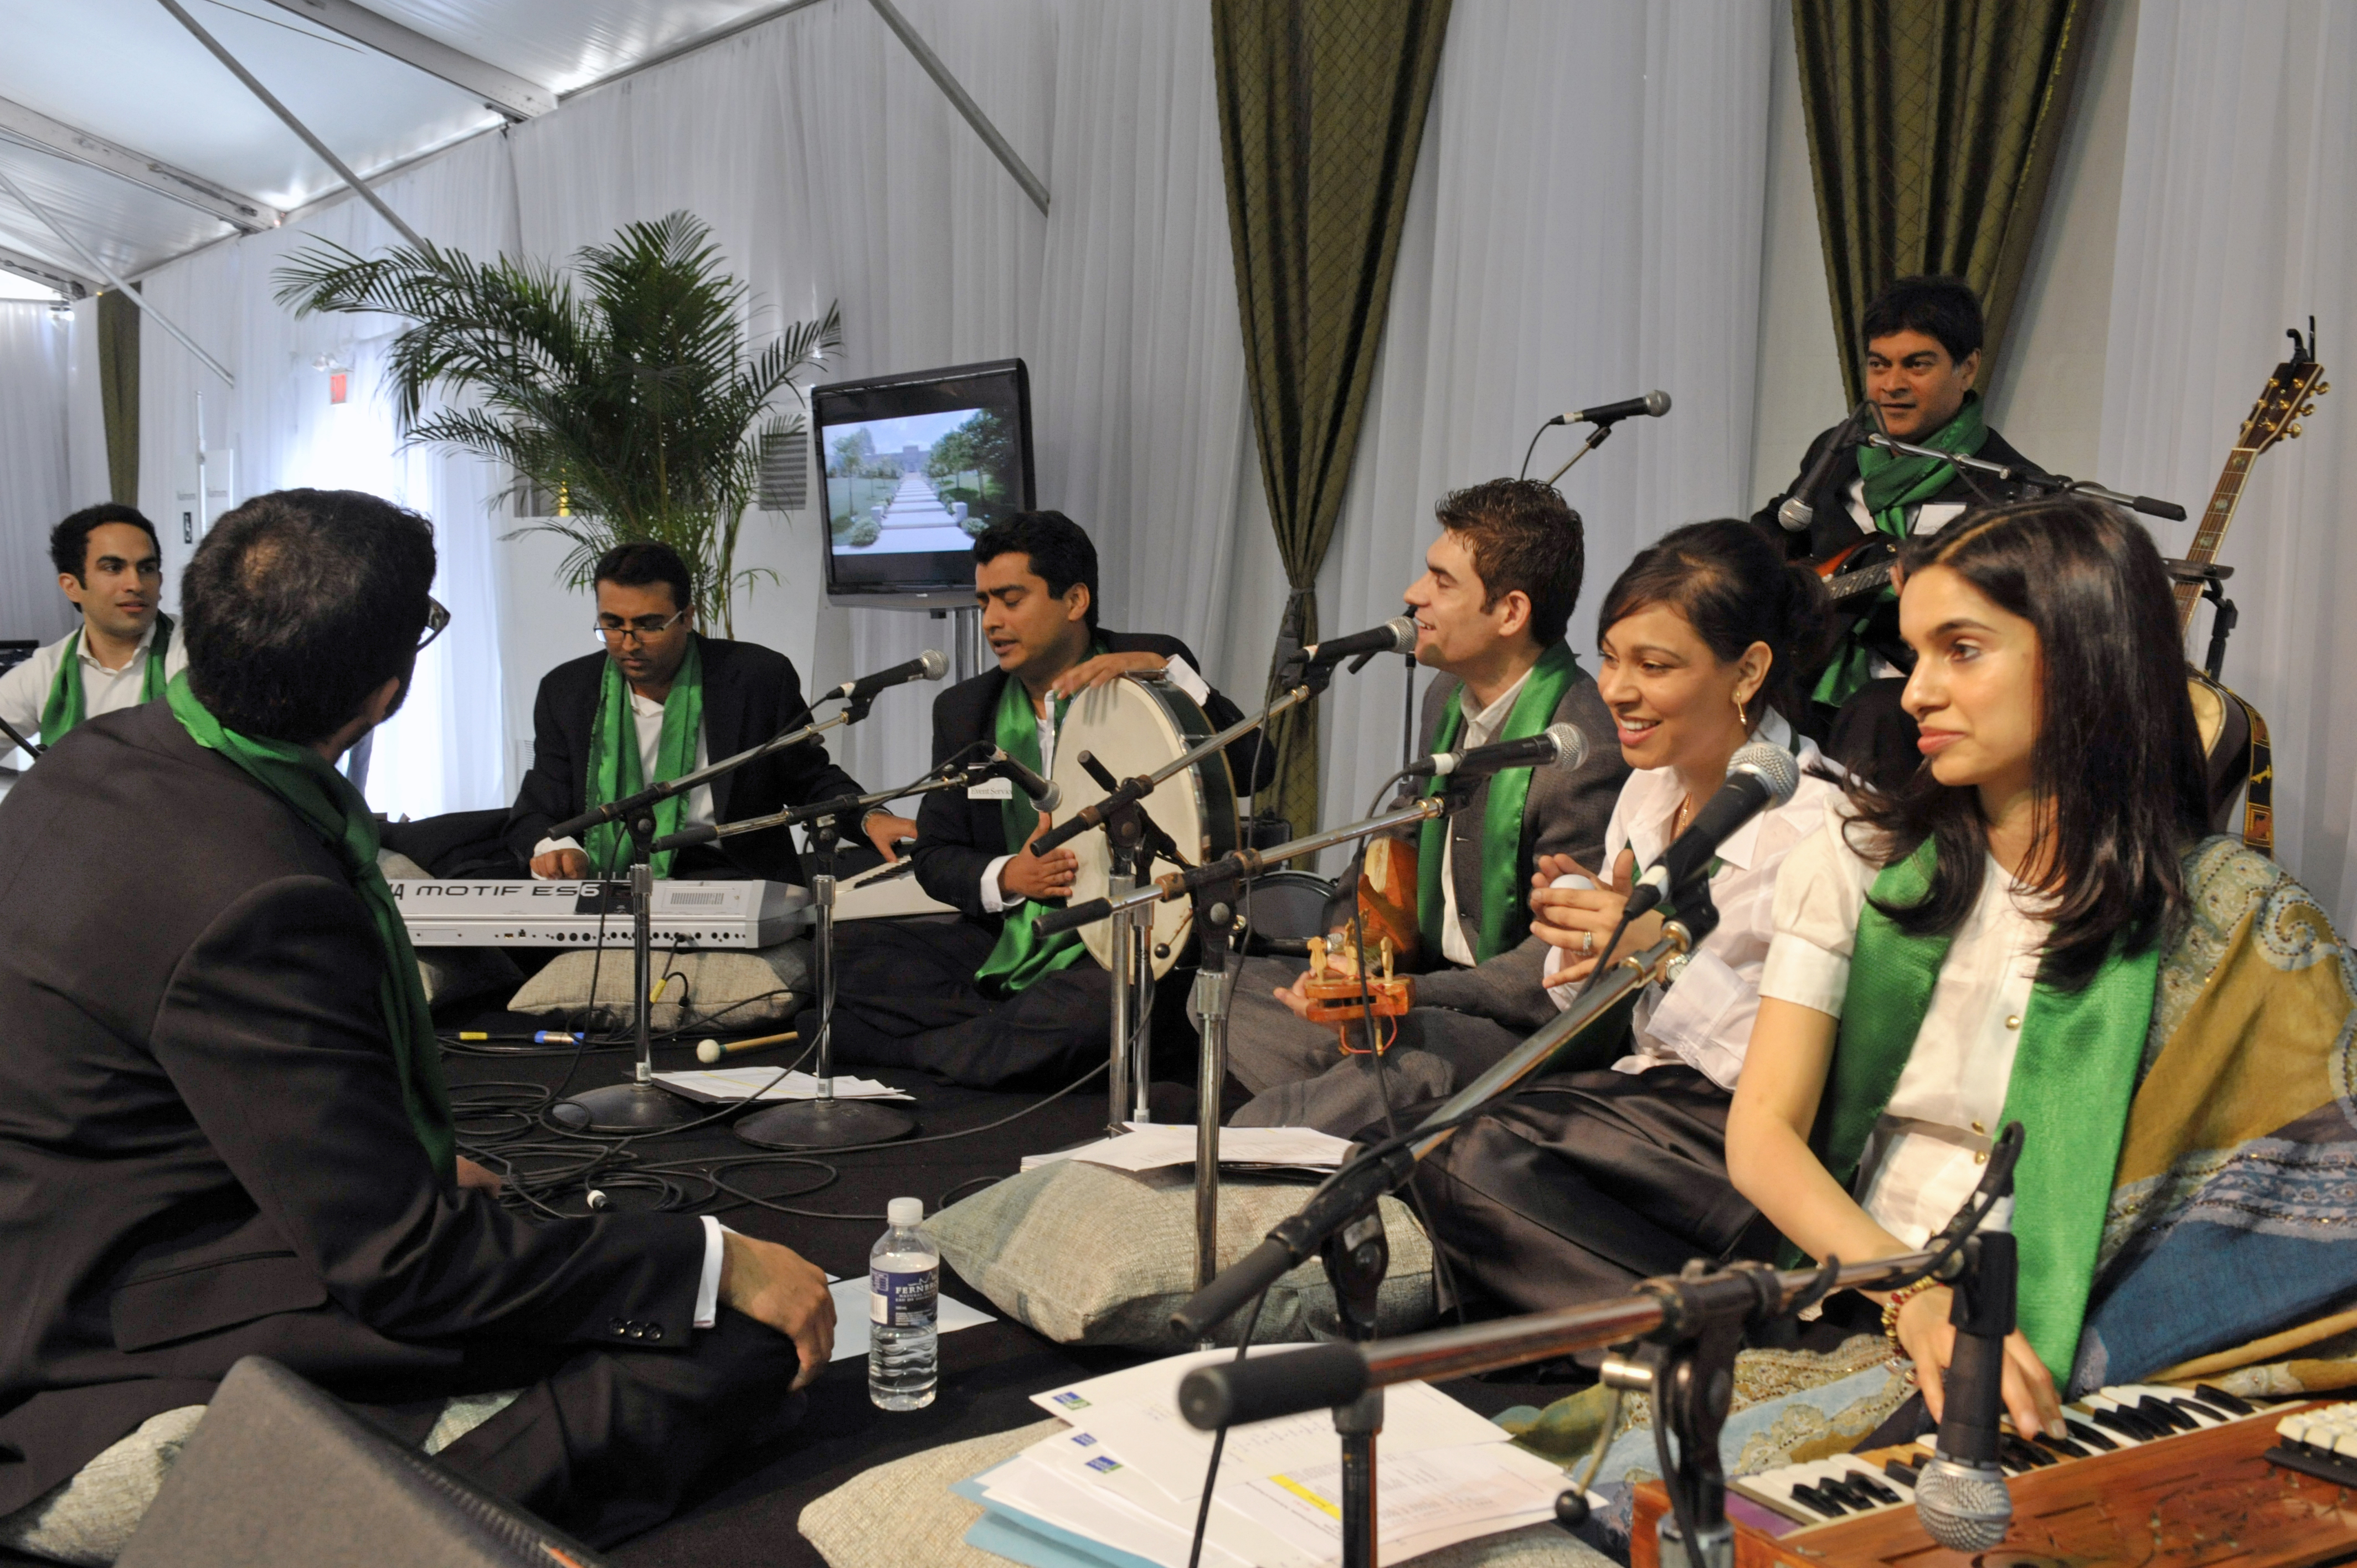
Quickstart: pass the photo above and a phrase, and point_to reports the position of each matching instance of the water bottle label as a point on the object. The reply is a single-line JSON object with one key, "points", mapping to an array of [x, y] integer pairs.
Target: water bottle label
{"points": [[901, 1300]]}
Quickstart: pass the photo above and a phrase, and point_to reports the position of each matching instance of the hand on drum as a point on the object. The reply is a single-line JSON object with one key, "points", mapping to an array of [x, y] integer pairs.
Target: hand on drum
{"points": [[1029, 875], [1106, 667], [1579, 920]]}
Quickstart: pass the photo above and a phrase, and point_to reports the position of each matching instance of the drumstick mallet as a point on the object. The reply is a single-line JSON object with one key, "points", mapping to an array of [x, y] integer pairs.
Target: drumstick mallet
{"points": [[711, 1051]]}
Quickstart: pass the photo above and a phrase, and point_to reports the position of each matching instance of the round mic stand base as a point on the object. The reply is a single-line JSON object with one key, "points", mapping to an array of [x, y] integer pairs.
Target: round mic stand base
{"points": [[624, 1108], [824, 1124]]}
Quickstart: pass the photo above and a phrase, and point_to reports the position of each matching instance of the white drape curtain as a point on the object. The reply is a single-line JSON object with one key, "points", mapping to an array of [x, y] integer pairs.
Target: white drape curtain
{"points": [[443, 751], [1585, 225], [2238, 218], [35, 489]]}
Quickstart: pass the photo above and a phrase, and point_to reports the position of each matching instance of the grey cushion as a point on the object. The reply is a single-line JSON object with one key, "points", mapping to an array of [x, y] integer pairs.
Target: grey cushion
{"points": [[730, 990], [1089, 1256], [452, 974]]}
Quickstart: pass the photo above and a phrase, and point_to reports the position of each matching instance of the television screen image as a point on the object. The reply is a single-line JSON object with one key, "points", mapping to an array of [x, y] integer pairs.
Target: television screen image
{"points": [[916, 465]]}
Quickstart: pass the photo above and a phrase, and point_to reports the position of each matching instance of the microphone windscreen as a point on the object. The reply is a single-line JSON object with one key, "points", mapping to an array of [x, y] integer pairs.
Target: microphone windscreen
{"points": [[1657, 402], [1052, 799], [1403, 630], [1965, 1507], [936, 664], [1571, 744], [1771, 765]]}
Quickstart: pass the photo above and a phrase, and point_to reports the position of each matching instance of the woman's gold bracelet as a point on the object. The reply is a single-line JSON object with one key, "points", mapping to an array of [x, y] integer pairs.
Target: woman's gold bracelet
{"points": [[1900, 1298]]}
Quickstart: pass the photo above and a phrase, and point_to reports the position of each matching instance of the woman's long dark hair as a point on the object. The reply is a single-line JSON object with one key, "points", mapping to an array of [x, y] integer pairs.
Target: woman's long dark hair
{"points": [[1734, 588], [2116, 751]]}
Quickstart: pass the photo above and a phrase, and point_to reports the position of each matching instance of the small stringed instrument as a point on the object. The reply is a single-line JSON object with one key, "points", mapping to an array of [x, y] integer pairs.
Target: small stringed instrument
{"points": [[1339, 998], [1386, 913]]}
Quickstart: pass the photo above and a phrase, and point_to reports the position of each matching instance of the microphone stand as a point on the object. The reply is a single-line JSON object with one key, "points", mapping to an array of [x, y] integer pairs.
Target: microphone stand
{"points": [[1590, 445], [2050, 483], [28, 748]]}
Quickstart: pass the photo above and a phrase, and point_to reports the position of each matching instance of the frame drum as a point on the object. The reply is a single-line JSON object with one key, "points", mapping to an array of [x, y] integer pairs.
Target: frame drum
{"points": [[1136, 725]]}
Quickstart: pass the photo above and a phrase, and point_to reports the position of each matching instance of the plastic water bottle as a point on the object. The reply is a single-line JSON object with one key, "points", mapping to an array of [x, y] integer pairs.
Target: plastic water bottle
{"points": [[904, 1284]]}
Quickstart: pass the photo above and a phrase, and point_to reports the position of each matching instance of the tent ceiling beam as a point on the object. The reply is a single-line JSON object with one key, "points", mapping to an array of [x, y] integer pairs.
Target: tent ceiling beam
{"points": [[502, 92], [35, 129], [73, 285], [999, 146]]}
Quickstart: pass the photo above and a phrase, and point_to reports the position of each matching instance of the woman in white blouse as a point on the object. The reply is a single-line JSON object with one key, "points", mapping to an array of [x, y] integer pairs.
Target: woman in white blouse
{"points": [[1591, 1179]]}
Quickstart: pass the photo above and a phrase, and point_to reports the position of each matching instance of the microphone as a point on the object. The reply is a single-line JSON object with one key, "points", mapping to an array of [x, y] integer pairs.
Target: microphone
{"points": [[1654, 404], [1396, 635], [1796, 513], [1759, 775], [1045, 793], [1960, 1494], [929, 665], [1557, 744]]}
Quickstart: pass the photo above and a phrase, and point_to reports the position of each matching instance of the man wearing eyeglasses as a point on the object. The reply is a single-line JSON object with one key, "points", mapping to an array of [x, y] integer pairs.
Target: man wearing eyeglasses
{"points": [[123, 652], [658, 701]]}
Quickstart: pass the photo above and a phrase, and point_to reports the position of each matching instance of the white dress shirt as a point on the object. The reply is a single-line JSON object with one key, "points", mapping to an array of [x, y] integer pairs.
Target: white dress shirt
{"points": [[24, 690], [1479, 729], [1925, 1155], [1924, 518], [1705, 1019], [646, 722], [1177, 671]]}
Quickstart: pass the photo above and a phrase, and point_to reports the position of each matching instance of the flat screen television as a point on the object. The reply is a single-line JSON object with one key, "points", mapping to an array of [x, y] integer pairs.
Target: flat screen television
{"points": [[916, 465]]}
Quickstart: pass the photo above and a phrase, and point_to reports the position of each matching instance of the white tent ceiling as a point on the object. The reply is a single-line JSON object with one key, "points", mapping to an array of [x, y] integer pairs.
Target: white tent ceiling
{"points": [[107, 105]]}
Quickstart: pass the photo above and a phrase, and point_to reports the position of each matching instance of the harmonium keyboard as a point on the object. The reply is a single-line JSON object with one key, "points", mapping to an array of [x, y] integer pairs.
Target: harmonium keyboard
{"points": [[2151, 1474], [457, 913]]}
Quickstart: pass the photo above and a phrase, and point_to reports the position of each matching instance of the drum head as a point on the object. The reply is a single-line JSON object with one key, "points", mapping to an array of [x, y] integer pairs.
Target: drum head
{"points": [[1288, 905], [1133, 727]]}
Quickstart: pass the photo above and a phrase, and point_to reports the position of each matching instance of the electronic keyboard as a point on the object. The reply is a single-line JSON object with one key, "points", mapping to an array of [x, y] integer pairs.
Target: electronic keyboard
{"points": [[459, 913]]}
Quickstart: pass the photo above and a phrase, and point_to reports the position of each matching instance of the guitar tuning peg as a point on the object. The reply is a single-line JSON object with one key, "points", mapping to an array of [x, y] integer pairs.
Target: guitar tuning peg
{"points": [[2305, 409], [2322, 387], [2294, 431]]}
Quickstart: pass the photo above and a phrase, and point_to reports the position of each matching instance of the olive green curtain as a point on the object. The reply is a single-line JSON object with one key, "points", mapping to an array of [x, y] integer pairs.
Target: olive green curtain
{"points": [[1933, 126], [118, 393], [1321, 109]]}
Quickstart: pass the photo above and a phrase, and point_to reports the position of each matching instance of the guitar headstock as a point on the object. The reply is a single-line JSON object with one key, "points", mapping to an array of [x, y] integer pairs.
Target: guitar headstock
{"points": [[2289, 395]]}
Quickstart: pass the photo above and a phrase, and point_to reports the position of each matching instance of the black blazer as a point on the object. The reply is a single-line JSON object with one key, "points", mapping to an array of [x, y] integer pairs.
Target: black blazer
{"points": [[750, 693], [203, 1153], [957, 837], [1832, 529]]}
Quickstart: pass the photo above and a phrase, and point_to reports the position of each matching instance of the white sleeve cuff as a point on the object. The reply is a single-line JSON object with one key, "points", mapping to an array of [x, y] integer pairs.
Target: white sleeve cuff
{"points": [[993, 901], [1800, 972], [1706, 1017], [546, 845], [1182, 675], [707, 1286]]}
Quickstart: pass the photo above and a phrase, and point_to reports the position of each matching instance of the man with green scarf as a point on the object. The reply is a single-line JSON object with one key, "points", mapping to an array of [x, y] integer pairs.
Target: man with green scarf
{"points": [[1922, 355], [226, 1129], [112, 570], [1490, 609]]}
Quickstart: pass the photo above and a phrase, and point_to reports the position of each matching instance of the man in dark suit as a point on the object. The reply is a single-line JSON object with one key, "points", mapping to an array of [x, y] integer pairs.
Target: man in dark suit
{"points": [[223, 1130], [984, 999], [664, 699], [1490, 609], [1923, 354]]}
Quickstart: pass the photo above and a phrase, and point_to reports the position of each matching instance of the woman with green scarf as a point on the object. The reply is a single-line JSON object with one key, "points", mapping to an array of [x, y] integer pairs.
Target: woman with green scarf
{"points": [[2033, 929]]}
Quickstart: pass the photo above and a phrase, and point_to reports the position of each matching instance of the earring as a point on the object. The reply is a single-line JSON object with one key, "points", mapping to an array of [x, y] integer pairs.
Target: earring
{"points": [[1741, 716]]}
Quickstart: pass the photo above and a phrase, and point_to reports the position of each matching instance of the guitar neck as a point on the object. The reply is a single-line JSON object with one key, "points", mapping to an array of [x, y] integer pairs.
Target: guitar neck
{"points": [[2212, 531]]}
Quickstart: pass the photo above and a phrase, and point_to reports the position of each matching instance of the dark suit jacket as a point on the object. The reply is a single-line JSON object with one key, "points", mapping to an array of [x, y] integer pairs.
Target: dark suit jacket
{"points": [[203, 1153], [957, 837], [750, 693], [1832, 529], [1564, 813]]}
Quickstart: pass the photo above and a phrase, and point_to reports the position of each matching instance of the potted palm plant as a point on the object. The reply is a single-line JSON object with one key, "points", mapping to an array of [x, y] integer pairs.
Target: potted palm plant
{"points": [[629, 390]]}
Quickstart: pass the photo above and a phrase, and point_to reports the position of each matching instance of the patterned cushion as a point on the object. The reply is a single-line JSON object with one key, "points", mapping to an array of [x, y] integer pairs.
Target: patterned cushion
{"points": [[723, 990], [1089, 1256]]}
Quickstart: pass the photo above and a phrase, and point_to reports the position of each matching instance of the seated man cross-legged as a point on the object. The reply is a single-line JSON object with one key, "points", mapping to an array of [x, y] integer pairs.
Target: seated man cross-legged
{"points": [[223, 1125]]}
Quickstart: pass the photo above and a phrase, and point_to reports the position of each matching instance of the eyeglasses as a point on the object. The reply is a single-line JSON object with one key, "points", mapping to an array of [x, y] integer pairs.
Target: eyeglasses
{"points": [[438, 615], [643, 628]]}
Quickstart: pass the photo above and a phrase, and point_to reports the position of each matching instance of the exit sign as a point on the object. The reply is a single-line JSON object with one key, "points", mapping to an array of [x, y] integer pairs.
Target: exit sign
{"points": [[339, 383]]}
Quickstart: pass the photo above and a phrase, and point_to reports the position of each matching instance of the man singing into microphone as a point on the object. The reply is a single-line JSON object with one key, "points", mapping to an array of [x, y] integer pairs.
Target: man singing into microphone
{"points": [[660, 701], [122, 653], [1496, 592], [986, 999], [1922, 355]]}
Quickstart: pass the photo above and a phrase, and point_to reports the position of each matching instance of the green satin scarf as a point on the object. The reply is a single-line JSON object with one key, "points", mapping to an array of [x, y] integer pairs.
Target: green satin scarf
{"points": [[2073, 1074], [326, 799], [65, 708], [1021, 954], [615, 773], [1893, 482], [1505, 864]]}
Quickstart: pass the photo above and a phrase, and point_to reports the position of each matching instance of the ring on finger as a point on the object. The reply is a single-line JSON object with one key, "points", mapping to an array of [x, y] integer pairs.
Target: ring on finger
{"points": [[1588, 944]]}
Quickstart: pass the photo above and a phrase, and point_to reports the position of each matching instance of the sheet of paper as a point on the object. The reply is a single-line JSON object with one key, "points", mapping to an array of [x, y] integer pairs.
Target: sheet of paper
{"points": [[1154, 1146], [1084, 1457], [1425, 1500], [851, 1316], [763, 1082]]}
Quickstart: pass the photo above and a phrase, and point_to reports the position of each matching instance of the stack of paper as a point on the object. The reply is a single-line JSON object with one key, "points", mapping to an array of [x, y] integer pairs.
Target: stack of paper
{"points": [[722, 1085], [1122, 1485], [1151, 1145]]}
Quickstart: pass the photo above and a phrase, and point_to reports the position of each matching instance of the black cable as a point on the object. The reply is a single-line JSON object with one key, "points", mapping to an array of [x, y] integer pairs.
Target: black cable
{"points": [[1524, 472], [1219, 1443]]}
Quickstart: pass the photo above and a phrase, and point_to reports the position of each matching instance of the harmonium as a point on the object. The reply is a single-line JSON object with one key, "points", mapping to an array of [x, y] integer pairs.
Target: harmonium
{"points": [[2155, 1476]]}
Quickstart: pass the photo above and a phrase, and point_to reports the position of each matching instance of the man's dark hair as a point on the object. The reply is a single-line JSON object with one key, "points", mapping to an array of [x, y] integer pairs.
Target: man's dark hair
{"points": [[1060, 553], [70, 541], [1522, 535], [1945, 309], [642, 562], [299, 603]]}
